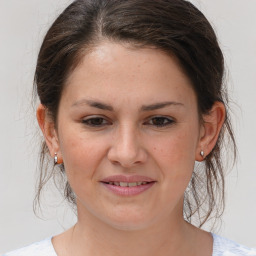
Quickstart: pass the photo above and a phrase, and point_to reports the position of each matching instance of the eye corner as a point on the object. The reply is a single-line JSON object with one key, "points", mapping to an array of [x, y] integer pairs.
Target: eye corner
{"points": [[95, 121], [162, 121]]}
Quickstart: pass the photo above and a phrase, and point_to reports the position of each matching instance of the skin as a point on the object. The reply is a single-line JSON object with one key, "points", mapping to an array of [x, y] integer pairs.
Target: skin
{"points": [[128, 140]]}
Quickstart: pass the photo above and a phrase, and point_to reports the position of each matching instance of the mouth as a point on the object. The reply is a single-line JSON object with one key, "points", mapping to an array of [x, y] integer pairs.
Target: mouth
{"points": [[128, 185]]}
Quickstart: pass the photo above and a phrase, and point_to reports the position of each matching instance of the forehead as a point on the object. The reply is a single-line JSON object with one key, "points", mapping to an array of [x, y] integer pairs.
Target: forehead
{"points": [[112, 70], [117, 55]]}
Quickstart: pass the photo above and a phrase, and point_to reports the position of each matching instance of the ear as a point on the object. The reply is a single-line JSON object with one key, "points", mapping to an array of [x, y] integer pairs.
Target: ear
{"points": [[49, 131], [210, 130]]}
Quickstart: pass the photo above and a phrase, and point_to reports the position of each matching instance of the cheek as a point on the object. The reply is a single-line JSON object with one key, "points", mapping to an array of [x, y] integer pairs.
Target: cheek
{"points": [[81, 156], [175, 147], [175, 155]]}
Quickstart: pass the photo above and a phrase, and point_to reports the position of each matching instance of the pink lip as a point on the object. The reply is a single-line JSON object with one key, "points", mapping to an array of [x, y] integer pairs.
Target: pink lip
{"points": [[127, 191], [123, 178]]}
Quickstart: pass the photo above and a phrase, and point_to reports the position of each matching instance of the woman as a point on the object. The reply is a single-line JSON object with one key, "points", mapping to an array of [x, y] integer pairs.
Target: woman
{"points": [[131, 96]]}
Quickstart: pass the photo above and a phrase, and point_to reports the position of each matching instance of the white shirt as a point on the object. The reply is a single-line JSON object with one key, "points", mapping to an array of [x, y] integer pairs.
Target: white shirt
{"points": [[221, 247]]}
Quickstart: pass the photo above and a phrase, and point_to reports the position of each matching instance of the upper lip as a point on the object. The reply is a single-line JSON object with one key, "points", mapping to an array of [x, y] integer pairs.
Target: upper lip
{"points": [[128, 179]]}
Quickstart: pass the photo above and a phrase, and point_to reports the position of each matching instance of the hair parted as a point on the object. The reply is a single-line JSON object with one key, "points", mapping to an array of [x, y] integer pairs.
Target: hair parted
{"points": [[176, 27]]}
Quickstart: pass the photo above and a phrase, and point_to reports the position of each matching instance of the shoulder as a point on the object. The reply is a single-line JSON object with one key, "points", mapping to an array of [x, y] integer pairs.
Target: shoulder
{"points": [[225, 247], [42, 248]]}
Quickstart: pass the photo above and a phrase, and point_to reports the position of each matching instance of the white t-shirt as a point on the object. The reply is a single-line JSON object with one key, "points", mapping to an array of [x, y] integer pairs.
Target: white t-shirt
{"points": [[221, 247]]}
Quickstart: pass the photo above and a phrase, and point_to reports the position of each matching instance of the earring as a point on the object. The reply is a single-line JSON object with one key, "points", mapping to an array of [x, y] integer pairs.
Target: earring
{"points": [[202, 153], [55, 159]]}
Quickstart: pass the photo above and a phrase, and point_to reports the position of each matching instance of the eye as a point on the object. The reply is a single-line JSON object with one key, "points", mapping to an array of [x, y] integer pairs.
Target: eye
{"points": [[95, 121], [160, 121]]}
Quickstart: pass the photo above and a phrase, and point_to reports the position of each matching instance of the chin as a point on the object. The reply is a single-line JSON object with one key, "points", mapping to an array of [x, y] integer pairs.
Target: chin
{"points": [[129, 221], [120, 217]]}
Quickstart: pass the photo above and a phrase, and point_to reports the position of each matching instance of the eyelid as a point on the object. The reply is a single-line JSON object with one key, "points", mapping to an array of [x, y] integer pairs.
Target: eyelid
{"points": [[170, 120], [87, 119], [105, 120]]}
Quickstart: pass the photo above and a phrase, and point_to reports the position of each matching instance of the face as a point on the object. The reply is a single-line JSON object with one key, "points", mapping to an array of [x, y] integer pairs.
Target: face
{"points": [[128, 132]]}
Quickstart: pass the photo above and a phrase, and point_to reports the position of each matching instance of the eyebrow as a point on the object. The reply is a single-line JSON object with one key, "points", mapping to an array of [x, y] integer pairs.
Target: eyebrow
{"points": [[94, 104], [160, 105], [103, 106]]}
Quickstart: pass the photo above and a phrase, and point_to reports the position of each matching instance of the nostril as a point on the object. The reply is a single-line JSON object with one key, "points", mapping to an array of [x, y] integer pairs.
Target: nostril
{"points": [[115, 162], [127, 155]]}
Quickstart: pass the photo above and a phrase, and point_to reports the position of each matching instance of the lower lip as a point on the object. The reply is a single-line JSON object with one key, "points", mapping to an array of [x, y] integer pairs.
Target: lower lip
{"points": [[128, 191]]}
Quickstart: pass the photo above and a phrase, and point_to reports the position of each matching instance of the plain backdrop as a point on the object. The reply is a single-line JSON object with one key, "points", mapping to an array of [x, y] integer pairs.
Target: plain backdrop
{"points": [[23, 24]]}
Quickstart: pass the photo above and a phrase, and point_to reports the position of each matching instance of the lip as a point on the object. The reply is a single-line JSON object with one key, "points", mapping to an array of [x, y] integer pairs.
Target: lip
{"points": [[128, 191], [123, 178]]}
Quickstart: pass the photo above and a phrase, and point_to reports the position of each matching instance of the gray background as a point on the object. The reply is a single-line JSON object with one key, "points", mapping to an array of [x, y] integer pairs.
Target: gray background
{"points": [[22, 26]]}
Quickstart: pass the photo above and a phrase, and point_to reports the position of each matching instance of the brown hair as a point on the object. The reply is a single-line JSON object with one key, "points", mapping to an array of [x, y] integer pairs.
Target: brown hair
{"points": [[174, 26]]}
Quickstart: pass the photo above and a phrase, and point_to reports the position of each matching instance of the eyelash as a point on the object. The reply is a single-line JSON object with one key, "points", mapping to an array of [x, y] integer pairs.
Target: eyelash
{"points": [[89, 122], [162, 118]]}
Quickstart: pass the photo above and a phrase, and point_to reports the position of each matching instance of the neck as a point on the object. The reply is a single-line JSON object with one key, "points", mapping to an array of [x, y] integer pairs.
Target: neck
{"points": [[172, 236]]}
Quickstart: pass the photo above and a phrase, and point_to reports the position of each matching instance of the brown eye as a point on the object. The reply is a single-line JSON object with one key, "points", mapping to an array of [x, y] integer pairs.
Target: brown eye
{"points": [[160, 121], [96, 121]]}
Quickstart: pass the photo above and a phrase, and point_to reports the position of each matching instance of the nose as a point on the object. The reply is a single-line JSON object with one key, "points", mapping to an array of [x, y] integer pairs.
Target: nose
{"points": [[126, 149]]}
